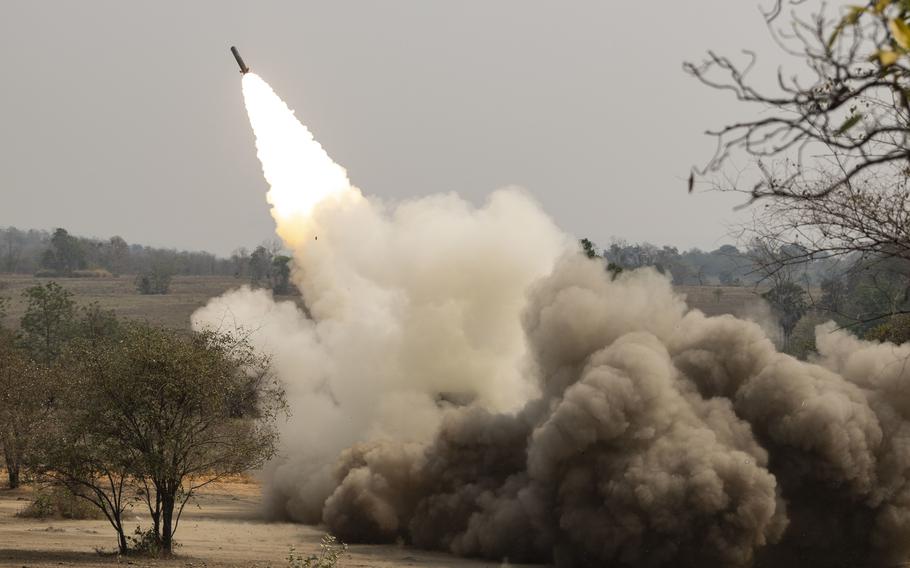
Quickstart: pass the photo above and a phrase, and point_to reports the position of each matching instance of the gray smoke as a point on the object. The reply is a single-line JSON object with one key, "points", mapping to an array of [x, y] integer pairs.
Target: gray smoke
{"points": [[662, 438], [577, 419]]}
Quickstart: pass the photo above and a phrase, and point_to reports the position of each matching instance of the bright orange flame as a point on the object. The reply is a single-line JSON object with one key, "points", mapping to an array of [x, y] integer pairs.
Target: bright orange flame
{"points": [[300, 172]]}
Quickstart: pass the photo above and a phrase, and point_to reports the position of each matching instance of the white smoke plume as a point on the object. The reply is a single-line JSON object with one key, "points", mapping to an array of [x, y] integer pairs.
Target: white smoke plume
{"points": [[462, 379]]}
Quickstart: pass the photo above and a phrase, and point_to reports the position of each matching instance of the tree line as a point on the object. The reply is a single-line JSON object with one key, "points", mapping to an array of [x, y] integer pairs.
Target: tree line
{"points": [[33, 251], [868, 294], [59, 254], [727, 265], [123, 414]]}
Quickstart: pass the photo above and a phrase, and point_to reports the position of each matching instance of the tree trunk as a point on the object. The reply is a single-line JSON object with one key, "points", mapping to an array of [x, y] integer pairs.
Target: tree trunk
{"points": [[156, 517], [13, 473], [12, 469], [167, 516], [121, 537]]}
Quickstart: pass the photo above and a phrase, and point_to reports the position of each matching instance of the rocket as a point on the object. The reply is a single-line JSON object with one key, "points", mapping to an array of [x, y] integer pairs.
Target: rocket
{"points": [[243, 68]]}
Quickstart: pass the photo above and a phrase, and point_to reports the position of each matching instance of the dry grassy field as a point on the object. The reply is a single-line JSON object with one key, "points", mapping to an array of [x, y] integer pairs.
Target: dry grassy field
{"points": [[119, 294], [736, 300], [191, 292]]}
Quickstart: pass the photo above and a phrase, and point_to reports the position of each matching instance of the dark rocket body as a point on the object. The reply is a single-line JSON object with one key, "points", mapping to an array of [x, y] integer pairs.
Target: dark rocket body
{"points": [[243, 68]]}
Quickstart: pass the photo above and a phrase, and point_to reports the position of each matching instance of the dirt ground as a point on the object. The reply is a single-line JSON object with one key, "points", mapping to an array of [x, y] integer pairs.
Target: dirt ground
{"points": [[223, 531]]}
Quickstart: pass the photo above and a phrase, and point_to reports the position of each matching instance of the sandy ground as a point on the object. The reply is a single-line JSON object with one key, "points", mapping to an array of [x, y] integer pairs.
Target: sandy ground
{"points": [[224, 530]]}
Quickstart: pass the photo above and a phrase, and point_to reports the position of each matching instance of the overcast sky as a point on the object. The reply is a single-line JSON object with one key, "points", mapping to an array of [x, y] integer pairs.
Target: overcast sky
{"points": [[127, 118]]}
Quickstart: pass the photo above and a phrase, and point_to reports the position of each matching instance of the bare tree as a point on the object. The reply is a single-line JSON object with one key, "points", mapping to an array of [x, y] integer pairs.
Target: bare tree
{"points": [[831, 141], [846, 116]]}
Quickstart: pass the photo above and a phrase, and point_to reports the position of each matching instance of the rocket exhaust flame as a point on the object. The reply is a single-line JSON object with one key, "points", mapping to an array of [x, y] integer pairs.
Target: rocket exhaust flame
{"points": [[299, 172], [596, 421]]}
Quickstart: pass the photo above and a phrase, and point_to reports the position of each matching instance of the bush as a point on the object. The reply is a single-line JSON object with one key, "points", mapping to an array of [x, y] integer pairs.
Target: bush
{"points": [[330, 550], [147, 543], [802, 340], [154, 282], [59, 503], [895, 330]]}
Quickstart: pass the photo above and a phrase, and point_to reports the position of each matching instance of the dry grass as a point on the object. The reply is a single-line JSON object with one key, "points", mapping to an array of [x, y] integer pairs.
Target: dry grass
{"points": [[732, 300], [188, 293]]}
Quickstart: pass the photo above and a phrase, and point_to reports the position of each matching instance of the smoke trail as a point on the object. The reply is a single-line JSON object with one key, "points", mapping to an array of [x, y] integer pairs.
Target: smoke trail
{"points": [[299, 172], [412, 305], [465, 381]]}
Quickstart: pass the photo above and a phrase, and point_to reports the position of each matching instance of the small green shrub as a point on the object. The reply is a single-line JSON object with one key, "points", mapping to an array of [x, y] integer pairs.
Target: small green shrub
{"points": [[59, 503], [330, 550], [146, 543], [41, 507], [895, 329], [153, 282]]}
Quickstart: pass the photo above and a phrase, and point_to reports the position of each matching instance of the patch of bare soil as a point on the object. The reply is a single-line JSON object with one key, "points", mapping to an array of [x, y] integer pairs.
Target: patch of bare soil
{"points": [[223, 529]]}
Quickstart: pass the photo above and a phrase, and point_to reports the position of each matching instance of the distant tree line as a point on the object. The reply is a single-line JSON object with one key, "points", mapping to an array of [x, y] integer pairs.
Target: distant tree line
{"points": [[33, 251], [868, 294], [59, 254], [725, 266]]}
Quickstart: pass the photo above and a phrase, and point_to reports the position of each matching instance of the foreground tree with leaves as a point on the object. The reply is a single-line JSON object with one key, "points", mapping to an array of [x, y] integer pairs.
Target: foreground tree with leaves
{"points": [[25, 397], [47, 323], [788, 302], [164, 412]]}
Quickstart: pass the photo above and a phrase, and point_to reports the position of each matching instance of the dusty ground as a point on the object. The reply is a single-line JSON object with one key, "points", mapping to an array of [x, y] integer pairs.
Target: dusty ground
{"points": [[223, 531]]}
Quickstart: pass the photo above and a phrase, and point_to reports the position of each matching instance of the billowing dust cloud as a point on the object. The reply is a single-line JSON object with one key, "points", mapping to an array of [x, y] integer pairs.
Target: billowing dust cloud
{"points": [[463, 379]]}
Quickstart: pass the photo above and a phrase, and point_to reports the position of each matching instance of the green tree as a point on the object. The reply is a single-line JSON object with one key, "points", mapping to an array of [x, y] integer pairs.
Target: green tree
{"points": [[73, 452], [24, 396], [48, 320], [614, 270], [281, 274], [589, 248], [895, 330], [788, 302], [117, 256], [94, 323], [240, 259], [65, 254], [155, 280], [833, 298], [164, 412], [260, 266]]}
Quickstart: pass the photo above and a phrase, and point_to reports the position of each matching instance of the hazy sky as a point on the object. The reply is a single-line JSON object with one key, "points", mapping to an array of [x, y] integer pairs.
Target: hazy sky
{"points": [[127, 118]]}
